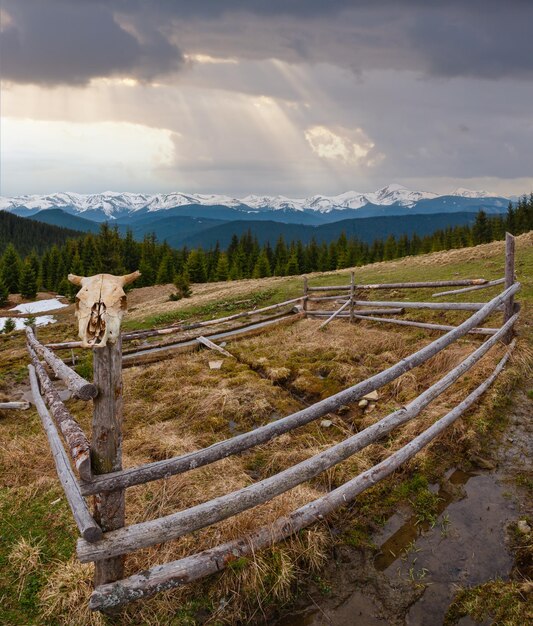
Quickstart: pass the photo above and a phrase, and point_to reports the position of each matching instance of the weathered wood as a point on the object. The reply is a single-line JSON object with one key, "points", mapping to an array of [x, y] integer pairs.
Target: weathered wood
{"points": [[77, 442], [365, 312], [176, 573], [509, 279], [491, 283], [178, 524], [167, 351], [213, 346], [439, 306], [79, 386], [262, 434], [415, 285], [106, 449], [22, 406], [178, 328], [87, 526], [445, 327], [352, 296], [305, 293], [334, 315]]}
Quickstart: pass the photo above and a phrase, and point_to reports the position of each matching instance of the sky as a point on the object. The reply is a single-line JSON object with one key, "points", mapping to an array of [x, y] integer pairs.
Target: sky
{"points": [[291, 97]]}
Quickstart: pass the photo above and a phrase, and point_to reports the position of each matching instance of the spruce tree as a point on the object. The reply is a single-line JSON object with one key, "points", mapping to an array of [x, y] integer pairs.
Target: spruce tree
{"points": [[262, 266], [10, 269], [222, 268], [165, 273], [196, 266], [292, 265], [28, 281], [4, 294]]}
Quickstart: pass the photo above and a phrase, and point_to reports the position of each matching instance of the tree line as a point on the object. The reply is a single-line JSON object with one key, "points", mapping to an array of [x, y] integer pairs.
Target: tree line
{"points": [[108, 251]]}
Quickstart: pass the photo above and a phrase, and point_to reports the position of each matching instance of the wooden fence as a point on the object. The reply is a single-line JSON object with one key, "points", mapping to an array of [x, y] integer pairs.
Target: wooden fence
{"points": [[104, 538]]}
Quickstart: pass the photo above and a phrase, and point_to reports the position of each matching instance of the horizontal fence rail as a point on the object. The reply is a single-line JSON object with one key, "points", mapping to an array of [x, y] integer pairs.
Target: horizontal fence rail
{"points": [[178, 524], [262, 434], [191, 568], [491, 283], [416, 285]]}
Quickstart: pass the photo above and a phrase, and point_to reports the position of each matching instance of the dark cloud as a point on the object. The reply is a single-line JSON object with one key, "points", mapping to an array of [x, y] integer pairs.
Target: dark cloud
{"points": [[61, 42], [71, 41]]}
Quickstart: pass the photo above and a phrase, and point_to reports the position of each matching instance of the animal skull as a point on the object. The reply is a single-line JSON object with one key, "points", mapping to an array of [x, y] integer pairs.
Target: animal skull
{"points": [[100, 306]]}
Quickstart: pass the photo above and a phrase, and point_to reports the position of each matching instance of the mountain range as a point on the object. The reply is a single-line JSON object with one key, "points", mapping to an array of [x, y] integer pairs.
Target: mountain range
{"points": [[203, 219]]}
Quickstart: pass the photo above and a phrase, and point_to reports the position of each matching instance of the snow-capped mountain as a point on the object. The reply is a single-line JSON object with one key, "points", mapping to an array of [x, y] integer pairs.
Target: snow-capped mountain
{"points": [[114, 204]]}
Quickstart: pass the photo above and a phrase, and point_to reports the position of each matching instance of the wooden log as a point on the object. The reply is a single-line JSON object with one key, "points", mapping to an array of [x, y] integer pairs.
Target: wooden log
{"points": [[79, 386], [87, 526], [262, 434], [439, 306], [305, 293], [322, 298], [365, 312], [157, 353], [143, 334], [189, 569], [106, 449], [445, 327], [352, 296], [21, 406], [491, 283], [415, 285], [77, 442], [178, 524], [509, 279], [334, 315], [213, 346]]}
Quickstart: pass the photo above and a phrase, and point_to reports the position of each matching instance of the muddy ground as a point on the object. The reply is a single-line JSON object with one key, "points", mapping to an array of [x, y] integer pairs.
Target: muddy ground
{"points": [[413, 575]]}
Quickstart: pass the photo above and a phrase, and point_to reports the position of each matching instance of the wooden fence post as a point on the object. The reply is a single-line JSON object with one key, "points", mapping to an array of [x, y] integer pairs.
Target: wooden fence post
{"points": [[509, 280], [306, 294], [106, 450], [352, 296]]}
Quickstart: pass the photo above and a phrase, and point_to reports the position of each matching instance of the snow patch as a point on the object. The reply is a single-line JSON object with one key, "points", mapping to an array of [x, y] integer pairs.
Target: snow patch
{"points": [[39, 306]]}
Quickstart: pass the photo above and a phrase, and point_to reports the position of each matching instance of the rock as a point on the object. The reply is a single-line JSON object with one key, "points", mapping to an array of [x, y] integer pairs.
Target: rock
{"points": [[326, 423], [363, 403], [523, 527], [215, 365], [342, 410], [373, 395], [370, 408]]}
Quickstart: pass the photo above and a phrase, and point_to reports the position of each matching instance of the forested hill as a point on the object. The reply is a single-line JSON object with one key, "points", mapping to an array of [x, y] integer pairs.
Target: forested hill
{"points": [[27, 235]]}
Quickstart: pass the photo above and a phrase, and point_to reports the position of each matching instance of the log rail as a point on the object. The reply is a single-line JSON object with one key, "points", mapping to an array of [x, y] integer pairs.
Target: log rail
{"points": [[106, 543]]}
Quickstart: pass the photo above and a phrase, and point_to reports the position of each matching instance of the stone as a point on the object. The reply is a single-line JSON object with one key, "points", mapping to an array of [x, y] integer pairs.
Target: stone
{"points": [[326, 423], [370, 408], [363, 403], [342, 410], [215, 365], [483, 463], [523, 527], [373, 395]]}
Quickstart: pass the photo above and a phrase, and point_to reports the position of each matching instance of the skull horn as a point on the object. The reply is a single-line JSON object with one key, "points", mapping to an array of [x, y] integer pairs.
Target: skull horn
{"points": [[75, 280], [129, 278]]}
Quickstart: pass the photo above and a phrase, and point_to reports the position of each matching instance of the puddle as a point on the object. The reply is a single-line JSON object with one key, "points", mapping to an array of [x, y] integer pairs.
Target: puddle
{"points": [[410, 530], [465, 547]]}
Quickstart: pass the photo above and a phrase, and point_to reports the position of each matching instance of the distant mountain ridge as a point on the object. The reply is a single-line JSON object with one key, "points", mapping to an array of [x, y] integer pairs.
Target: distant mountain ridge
{"points": [[394, 198]]}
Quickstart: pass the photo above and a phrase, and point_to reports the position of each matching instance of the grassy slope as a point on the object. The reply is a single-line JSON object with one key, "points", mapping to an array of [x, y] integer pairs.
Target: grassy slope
{"points": [[43, 584]]}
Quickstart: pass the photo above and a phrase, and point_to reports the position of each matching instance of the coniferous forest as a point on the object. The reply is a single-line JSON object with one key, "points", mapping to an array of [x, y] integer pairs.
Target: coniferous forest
{"points": [[39, 257]]}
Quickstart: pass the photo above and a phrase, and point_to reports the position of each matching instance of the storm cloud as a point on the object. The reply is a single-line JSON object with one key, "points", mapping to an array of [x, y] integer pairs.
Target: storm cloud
{"points": [[72, 41]]}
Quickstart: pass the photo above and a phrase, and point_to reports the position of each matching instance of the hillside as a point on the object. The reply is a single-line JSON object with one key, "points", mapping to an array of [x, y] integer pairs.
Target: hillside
{"points": [[28, 235], [58, 217], [182, 404]]}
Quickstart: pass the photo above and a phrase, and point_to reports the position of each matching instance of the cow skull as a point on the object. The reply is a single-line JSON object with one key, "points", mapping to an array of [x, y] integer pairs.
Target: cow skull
{"points": [[100, 306]]}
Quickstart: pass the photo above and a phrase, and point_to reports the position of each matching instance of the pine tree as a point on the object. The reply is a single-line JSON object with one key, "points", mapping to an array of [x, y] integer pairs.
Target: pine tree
{"points": [[4, 294], [165, 273], [183, 285], [9, 326], [196, 266], [10, 269], [262, 266], [222, 268], [292, 265], [28, 281]]}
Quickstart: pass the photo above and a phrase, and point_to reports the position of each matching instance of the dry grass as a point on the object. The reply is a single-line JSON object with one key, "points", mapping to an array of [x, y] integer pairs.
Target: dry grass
{"points": [[181, 405]]}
